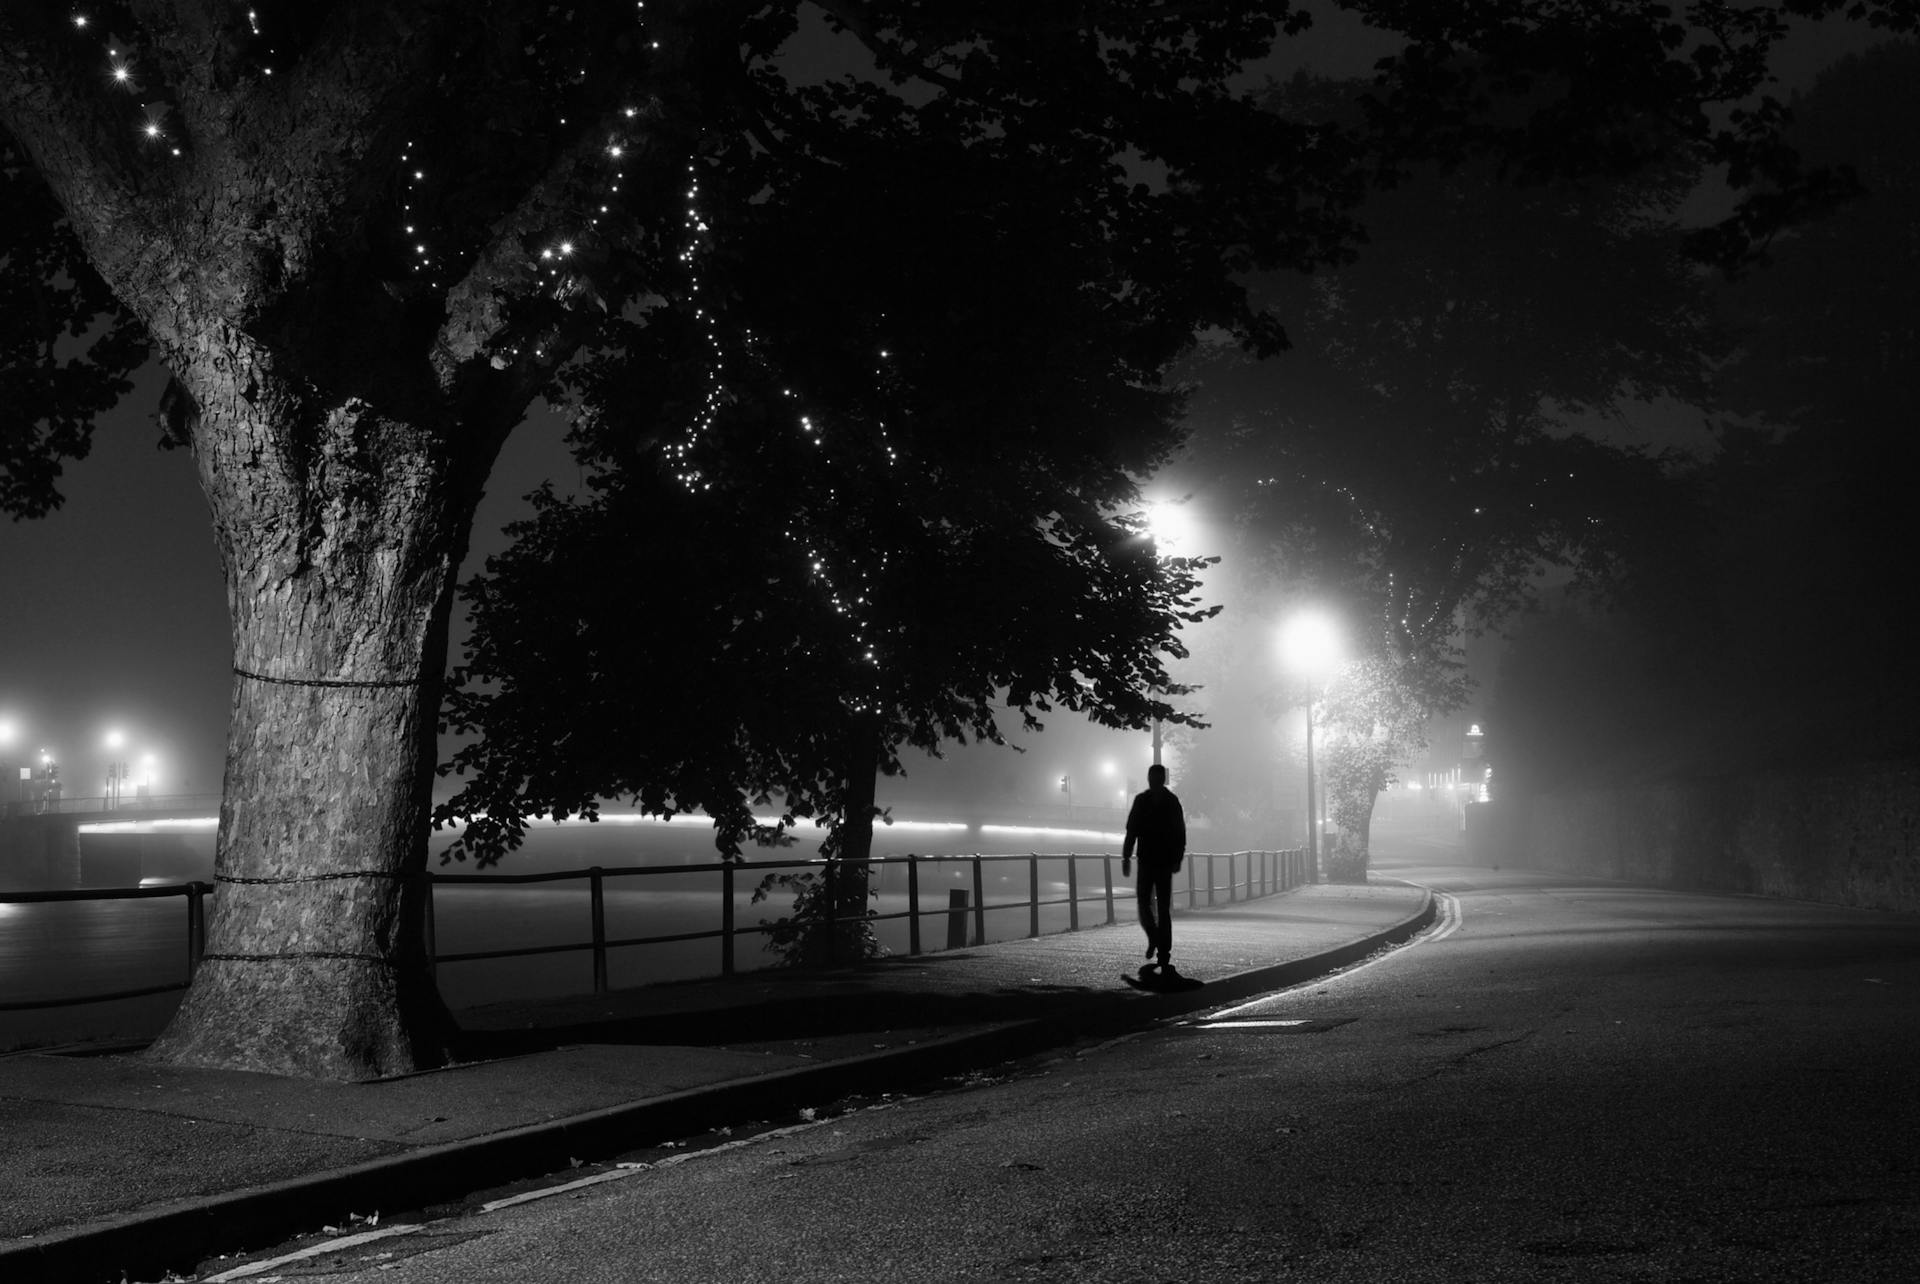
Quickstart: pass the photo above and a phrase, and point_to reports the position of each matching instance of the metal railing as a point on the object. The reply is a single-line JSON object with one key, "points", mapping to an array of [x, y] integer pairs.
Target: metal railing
{"points": [[196, 894], [1249, 874]]}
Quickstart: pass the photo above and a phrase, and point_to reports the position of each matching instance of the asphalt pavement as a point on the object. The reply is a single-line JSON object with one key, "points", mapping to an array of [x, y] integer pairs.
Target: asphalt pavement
{"points": [[115, 1166]]}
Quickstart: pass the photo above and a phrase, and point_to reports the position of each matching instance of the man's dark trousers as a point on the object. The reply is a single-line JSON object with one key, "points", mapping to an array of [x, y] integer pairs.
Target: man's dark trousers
{"points": [[1156, 887]]}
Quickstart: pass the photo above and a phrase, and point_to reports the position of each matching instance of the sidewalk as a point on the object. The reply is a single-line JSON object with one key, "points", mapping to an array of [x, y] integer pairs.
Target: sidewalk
{"points": [[112, 1164]]}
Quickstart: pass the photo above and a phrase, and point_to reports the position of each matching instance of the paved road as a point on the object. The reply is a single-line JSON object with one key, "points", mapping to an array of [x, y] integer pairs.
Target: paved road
{"points": [[1562, 1081]]}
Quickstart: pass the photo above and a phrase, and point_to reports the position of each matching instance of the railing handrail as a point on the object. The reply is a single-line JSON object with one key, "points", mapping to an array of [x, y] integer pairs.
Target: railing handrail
{"points": [[1280, 870], [714, 867]]}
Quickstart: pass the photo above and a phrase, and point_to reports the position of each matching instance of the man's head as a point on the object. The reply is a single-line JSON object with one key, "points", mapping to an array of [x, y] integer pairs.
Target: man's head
{"points": [[1156, 776]]}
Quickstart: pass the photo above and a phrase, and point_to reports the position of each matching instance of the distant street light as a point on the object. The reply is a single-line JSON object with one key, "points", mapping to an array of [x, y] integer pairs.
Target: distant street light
{"points": [[116, 769], [1310, 648]]}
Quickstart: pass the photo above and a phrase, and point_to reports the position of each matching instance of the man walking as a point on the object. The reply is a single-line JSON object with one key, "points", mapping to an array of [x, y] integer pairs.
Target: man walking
{"points": [[1158, 826]]}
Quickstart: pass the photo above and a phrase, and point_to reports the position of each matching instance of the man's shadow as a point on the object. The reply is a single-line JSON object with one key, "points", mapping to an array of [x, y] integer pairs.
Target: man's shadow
{"points": [[1160, 980]]}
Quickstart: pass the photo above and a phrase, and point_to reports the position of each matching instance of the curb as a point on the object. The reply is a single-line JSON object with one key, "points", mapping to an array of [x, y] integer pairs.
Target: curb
{"points": [[150, 1242]]}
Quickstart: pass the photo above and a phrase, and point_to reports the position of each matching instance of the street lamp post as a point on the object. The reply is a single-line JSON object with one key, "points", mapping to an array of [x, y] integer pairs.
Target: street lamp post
{"points": [[116, 769], [1310, 647]]}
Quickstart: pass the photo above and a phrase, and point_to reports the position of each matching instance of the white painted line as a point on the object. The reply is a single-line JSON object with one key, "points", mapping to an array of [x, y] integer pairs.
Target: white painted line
{"points": [[318, 1250], [1256, 1024], [528, 1196], [1241, 1007]]}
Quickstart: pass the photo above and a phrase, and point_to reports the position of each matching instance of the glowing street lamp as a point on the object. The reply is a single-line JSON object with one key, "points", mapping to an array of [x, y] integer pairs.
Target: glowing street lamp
{"points": [[1310, 648], [1173, 528]]}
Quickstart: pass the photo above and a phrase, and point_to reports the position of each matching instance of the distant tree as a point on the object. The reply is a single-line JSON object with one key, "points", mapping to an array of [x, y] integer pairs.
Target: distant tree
{"points": [[1766, 631], [1417, 459], [364, 236]]}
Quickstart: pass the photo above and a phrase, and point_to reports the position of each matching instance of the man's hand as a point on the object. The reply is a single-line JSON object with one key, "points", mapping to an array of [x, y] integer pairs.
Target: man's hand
{"points": [[1126, 867]]}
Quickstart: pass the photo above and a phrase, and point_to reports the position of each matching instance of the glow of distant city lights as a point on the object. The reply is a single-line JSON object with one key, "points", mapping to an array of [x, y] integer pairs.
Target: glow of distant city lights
{"points": [[1041, 831]]}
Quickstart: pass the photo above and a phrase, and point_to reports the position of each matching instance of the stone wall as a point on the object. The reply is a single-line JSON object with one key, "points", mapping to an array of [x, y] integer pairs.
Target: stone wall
{"points": [[39, 853], [1846, 836]]}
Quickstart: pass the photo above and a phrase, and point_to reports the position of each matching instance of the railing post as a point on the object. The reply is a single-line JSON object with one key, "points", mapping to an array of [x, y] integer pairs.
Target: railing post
{"points": [[913, 903], [956, 918], [979, 904], [1033, 894], [1073, 893], [1190, 894], [726, 919], [829, 878], [597, 884], [1107, 863], [196, 926], [1210, 878]]}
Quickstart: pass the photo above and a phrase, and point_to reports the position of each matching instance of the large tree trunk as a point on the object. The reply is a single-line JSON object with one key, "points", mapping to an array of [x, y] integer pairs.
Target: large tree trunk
{"points": [[340, 564]]}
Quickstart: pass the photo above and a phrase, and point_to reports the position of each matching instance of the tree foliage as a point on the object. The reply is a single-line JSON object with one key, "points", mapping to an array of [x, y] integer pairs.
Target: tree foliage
{"points": [[365, 236], [1765, 630], [66, 344], [869, 546], [1419, 457]]}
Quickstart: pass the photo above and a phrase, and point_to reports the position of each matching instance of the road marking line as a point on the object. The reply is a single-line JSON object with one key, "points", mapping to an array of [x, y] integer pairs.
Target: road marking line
{"points": [[1448, 920], [528, 1196], [317, 1250], [1451, 918]]}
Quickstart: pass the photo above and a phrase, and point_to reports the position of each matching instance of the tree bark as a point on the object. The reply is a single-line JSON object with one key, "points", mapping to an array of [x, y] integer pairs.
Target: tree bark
{"points": [[341, 528]]}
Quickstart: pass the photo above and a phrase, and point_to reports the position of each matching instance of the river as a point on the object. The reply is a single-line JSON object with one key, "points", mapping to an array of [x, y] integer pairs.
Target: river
{"points": [[71, 949]]}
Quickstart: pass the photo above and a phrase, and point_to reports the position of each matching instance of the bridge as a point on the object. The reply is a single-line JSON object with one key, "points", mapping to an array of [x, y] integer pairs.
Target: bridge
{"points": [[40, 838]]}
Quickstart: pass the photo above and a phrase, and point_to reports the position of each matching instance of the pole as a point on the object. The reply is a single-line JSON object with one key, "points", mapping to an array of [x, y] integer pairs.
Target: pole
{"points": [[913, 903], [726, 919], [1156, 741], [1313, 830]]}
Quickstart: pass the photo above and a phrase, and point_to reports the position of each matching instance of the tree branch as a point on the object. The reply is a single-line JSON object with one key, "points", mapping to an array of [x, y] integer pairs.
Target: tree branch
{"points": [[79, 141]]}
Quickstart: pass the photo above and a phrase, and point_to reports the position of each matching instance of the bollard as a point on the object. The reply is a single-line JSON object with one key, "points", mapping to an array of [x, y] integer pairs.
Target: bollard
{"points": [[957, 919], [598, 885]]}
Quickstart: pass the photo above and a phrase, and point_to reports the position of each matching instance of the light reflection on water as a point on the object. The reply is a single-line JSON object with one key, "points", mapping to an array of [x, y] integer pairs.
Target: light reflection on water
{"points": [[63, 949]]}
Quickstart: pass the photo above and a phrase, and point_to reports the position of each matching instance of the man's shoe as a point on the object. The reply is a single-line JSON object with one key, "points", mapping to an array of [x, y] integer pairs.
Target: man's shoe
{"points": [[1149, 953]]}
